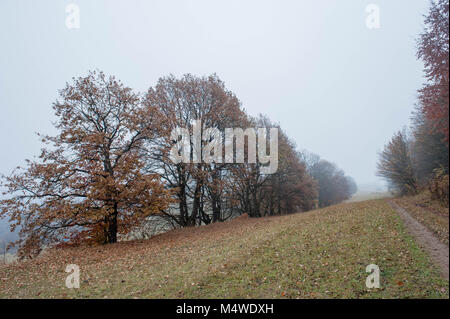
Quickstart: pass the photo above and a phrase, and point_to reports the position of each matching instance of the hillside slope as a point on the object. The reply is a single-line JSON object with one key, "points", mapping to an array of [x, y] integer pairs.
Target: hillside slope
{"points": [[318, 254]]}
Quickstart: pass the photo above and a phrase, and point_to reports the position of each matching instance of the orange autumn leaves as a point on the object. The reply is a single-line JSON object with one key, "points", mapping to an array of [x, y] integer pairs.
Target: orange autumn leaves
{"points": [[89, 182], [433, 50], [109, 168]]}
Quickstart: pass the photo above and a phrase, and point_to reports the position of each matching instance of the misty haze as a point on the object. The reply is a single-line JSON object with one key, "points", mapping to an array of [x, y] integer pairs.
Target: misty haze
{"points": [[224, 149]]}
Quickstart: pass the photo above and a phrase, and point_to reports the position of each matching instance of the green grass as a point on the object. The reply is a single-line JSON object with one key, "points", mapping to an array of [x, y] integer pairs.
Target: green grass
{"points": [[364, 196], [319, 254]]}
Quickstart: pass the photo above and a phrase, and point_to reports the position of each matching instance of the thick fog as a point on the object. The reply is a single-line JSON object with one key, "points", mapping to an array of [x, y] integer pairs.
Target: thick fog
{"points": [[338, 88]]}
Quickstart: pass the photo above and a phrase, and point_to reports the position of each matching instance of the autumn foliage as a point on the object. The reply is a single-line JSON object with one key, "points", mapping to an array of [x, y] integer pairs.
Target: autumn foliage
{"points": [[89, 181], [417, 161], [433, 49], [109, 167]]}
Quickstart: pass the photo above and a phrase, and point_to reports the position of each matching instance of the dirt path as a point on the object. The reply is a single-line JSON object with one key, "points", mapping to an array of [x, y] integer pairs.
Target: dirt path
{"points": [[426, 239]]}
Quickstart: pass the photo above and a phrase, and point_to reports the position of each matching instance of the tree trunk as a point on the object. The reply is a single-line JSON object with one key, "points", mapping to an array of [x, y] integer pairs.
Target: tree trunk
{"points": [[216, 210], [195, 205], [111, 227]]}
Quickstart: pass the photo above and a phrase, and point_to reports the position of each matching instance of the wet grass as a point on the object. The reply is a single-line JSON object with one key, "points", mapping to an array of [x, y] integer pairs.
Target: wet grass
{"points": [[319, 254]]}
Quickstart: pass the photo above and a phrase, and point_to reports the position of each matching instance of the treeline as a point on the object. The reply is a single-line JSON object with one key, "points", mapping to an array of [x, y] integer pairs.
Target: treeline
{"points": [[418, 160], [109, 168], [334, 186]]}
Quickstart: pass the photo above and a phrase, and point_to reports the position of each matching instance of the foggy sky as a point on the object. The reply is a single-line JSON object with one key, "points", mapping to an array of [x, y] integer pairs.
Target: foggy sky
{"points": [[336, 87]]}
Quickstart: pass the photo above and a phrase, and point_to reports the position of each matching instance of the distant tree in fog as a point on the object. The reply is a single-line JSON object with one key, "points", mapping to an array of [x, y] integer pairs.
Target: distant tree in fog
{"points": [[352, 187], [334, 185], [395, 165]]}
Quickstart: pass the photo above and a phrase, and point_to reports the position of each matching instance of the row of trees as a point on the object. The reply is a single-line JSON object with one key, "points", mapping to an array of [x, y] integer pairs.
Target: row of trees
{"points": [[418, 159], [109, 167], [334, 185]]}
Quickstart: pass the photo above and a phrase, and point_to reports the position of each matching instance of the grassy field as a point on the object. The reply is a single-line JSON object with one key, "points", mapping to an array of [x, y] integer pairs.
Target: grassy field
{"points": [[363, 196], [318, 254]]}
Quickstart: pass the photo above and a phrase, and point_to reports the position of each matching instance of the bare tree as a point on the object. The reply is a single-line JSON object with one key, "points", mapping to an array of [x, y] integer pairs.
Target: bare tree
{"points": [[395, 165]]}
